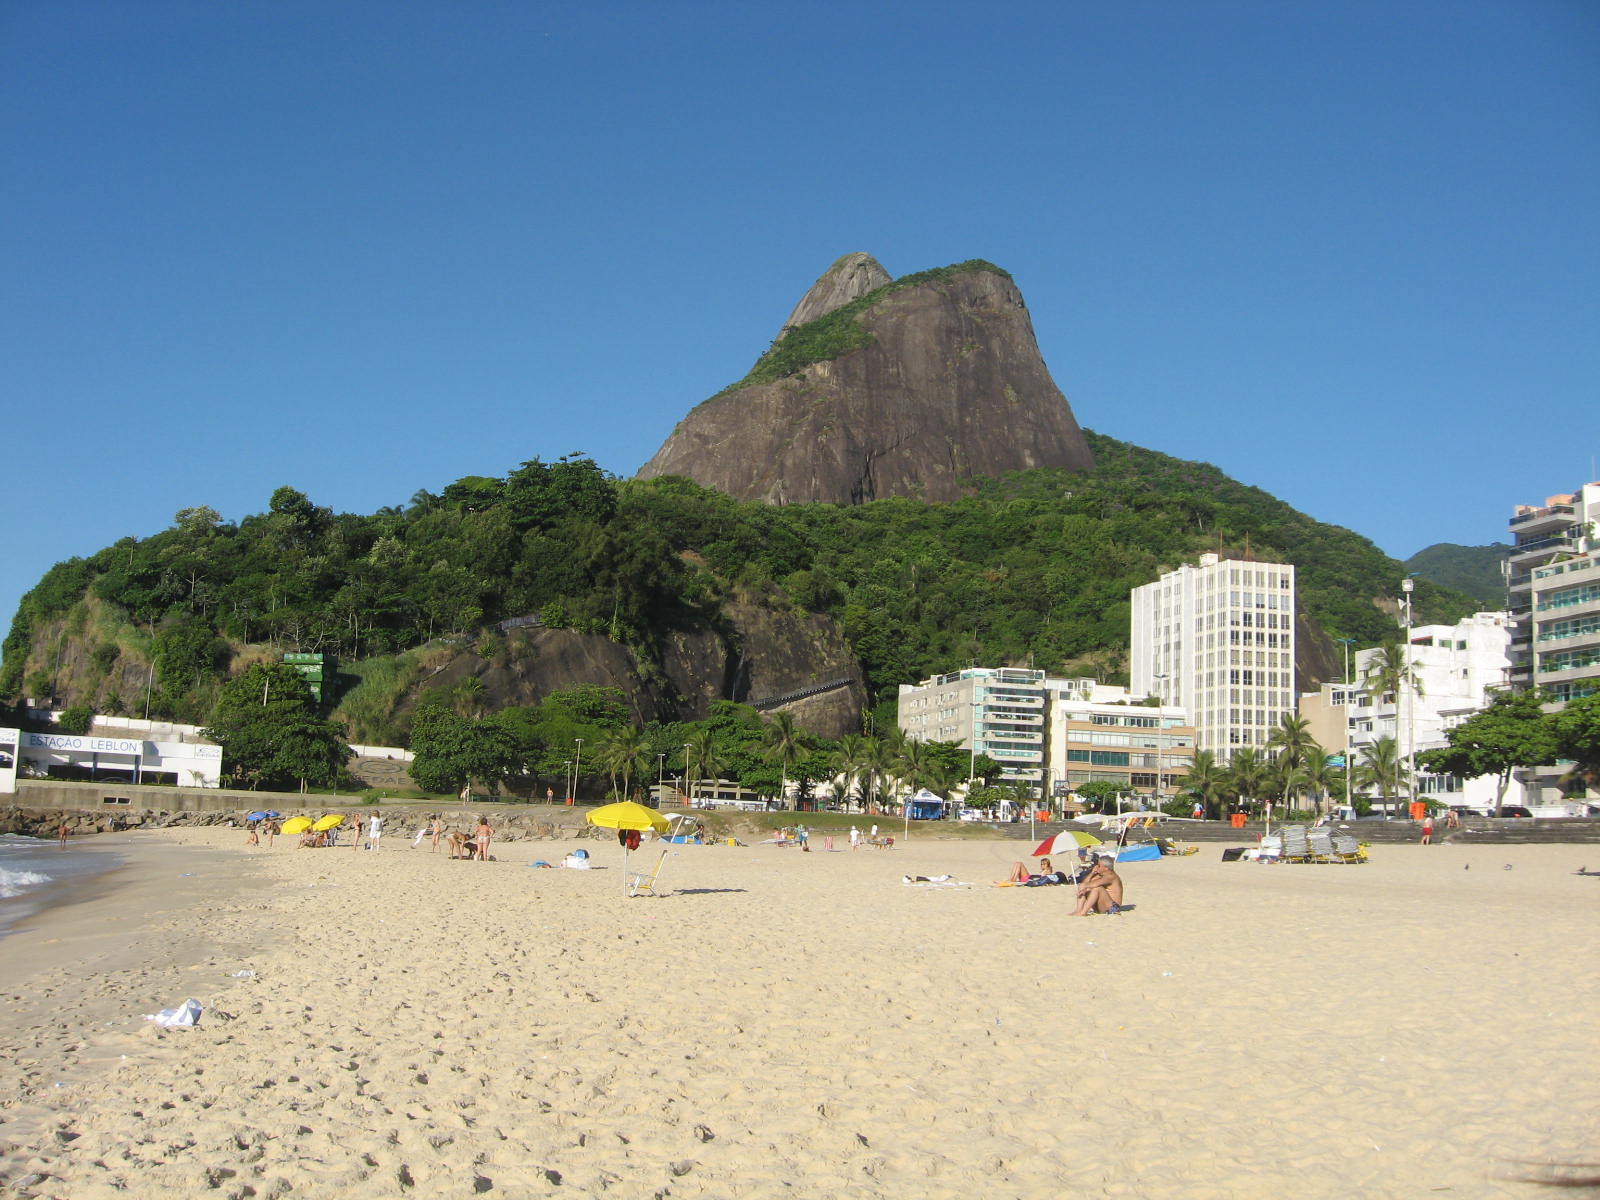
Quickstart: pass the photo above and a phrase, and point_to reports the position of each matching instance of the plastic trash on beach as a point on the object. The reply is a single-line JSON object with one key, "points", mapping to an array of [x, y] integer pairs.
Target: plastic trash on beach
{"points": [[185, 1016]]}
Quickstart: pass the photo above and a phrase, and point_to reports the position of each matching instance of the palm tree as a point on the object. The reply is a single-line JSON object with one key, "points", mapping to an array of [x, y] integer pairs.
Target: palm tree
{"points": [[782, 745], [1207, 779], [849, 760], [918, 768], [1247, 772], [1381, 767], [624, 752], [1292, 739], [1321, 778], [702, 758], [880, 755], [1390, 673]]}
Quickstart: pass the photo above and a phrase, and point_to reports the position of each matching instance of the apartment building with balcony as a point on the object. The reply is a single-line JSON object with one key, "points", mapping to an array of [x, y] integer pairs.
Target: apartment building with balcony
{"points": [[998, 711], [1553, 585], [1217, 640]]}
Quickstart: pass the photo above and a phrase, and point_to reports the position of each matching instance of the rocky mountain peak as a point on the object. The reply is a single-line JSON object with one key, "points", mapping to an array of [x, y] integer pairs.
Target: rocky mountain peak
{"points": [[903, 387], [850, 278]]}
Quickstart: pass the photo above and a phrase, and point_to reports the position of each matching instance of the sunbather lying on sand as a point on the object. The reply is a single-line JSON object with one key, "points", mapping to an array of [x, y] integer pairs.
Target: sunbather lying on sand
{"points": [[1021, 877]]}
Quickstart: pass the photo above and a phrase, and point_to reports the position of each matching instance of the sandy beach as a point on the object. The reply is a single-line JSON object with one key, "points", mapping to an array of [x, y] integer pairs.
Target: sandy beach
{"points": [[801, 1024]]}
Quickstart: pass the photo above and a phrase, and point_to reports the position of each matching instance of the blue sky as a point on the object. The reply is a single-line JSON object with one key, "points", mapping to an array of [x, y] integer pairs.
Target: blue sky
{"points": [[1346, 252]]}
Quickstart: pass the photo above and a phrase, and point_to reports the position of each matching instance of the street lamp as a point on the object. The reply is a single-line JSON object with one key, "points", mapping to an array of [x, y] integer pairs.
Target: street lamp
{"points": [[1349, 694], [1161, 698], [661, 778], [688, 787], [577, 761], [1406, 586]]}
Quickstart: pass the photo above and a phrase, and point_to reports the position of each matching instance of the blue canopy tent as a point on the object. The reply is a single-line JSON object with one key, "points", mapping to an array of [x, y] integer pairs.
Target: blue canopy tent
{"points": [[925, 806]]}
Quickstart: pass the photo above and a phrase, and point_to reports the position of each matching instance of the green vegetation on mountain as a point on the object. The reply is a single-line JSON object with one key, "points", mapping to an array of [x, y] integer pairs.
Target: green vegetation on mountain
{"points": [[841, 331], [1471, 570], [1035, 566]]}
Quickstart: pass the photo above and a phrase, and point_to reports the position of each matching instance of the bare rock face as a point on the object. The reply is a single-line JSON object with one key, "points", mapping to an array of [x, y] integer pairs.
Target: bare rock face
{"points": [[771, 656], [852, 277], [906, 390]]}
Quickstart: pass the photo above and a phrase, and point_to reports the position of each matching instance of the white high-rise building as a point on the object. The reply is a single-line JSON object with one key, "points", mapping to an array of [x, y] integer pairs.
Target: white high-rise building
{"points": [[1218, 639]]}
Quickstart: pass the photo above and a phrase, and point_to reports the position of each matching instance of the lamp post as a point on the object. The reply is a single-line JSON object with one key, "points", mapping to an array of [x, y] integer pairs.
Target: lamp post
{"points": [[661, 778], [1406, 585], [1349, 694], [1161, 698], [688, 787], [577, 763]]}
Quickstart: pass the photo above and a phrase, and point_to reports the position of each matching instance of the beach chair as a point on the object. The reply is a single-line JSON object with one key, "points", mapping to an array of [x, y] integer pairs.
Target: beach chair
{"points": [[1347, 850], [1270, 848], [1321, 842], [641, 884], [1296, 845]]}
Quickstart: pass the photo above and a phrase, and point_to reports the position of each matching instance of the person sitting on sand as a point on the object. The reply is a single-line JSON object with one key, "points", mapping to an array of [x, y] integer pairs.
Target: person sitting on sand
{"points": [[1101, 890], [255, 836]]}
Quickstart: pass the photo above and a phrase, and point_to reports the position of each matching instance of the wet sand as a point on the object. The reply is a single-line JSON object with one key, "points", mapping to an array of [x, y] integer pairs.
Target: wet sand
{"points": [[807, 1025]]}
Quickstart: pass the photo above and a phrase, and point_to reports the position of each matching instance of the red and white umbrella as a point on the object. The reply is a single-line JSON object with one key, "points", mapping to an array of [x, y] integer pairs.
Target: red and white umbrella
{"points": [[1068, 841]]}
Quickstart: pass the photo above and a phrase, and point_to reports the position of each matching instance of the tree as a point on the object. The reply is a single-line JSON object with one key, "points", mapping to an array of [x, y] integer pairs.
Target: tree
{"points": [[1321, 777], [450, 750], [702, 759], [1389, 673], [1513, 731], [782, 745], [265, 721], [76, 718], [1098, 793], [624, 752], [1382, 768], [1247, 776], [922, 765], [1577, 736], [1207, 780]]}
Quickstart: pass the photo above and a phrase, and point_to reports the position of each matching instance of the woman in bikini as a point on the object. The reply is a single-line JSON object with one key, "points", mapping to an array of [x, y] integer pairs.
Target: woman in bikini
{"points": [[481, 838]]}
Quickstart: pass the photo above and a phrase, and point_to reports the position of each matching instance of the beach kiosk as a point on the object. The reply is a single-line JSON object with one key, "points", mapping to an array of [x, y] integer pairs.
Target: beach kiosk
{"points": [[925, 806]]}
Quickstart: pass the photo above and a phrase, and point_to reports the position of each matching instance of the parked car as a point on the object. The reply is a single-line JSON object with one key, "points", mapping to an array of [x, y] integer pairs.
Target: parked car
{"points": [[1513, 810]]}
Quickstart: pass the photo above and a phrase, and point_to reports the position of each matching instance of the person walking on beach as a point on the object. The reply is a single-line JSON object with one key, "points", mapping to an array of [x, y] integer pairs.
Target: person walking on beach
{"points": [[61, 833], [272, 831], [481, 837], [374, 831], [352, 820], [855, 838], [436, 830], [1427, 830]]}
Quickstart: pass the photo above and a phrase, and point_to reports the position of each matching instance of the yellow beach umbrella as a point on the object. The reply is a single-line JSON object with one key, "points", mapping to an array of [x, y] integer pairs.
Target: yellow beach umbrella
{"points": [[297, 825], [328, 822], [628, 815]]}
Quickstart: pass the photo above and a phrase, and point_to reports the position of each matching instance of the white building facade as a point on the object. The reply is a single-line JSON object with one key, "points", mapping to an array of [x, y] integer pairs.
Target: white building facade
{"points": [[1457, 668], [99, 757], [1217, 640]]}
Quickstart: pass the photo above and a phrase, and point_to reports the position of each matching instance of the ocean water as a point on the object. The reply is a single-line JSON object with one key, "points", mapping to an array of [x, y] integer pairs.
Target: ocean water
{"points": [[35, 873]]}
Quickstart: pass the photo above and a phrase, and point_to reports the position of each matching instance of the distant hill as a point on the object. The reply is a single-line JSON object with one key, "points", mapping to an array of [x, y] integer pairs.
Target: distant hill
{"points": [[1471, 570]]}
